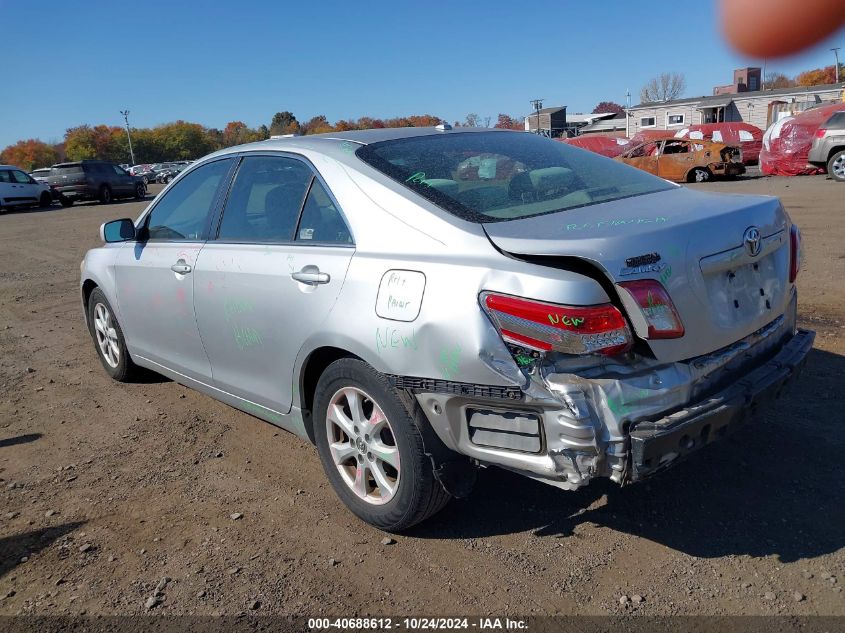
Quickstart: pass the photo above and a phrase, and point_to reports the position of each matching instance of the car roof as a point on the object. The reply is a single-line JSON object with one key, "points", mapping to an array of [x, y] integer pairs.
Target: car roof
{"points": [[334, 142]]}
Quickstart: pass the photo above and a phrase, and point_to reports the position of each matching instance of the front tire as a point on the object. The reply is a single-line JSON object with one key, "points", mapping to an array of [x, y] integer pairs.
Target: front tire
{"points": [[699, 174], [836, 166], [140, 191], [108, 339], [66, 202], [371, 446]]}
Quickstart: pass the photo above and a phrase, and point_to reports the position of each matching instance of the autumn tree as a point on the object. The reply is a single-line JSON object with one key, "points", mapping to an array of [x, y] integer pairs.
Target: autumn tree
{"points": [[665, 87], [316, 125], [507, 122], [608, 106], [284, 123], [101, 141], [29, 154], [237, 133], [367, 123], [820, 76]]}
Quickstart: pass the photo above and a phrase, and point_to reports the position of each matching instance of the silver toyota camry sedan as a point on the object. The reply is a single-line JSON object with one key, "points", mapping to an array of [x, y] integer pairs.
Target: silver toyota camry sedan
{"points": [[423, 302]]}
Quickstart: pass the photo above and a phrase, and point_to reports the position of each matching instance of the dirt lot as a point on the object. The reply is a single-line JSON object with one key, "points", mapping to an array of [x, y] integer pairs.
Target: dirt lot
{"points": [[107, 489]]}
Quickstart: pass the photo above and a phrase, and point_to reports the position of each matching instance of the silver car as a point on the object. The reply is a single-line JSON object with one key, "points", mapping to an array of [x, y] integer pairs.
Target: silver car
{"points": [[423, 302]]}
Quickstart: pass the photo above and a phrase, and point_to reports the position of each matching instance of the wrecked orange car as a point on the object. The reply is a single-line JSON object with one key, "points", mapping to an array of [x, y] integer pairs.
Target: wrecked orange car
{"points": [[684, 160]]}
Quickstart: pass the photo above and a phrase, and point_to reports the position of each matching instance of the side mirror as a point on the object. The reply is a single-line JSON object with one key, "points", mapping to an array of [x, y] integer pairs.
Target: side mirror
{"points": [[117, 231]]}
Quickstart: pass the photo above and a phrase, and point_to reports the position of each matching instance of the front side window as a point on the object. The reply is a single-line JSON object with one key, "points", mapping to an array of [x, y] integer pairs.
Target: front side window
{"points": [[496, 176], [118, 170], [676, 147], [265, 200], [184, 211], [20, 177], [321, 220], [644, 150]]}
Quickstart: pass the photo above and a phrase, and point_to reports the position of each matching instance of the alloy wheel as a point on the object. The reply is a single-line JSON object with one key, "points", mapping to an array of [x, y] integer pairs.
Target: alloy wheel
{"points": [[838, 167], [363, 445], [106, 335]]}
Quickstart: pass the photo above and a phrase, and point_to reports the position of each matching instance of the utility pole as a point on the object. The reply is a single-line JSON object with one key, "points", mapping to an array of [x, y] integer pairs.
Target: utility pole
{"points": [[836, 56], [537, 103], [628, 113], [125, 114]]}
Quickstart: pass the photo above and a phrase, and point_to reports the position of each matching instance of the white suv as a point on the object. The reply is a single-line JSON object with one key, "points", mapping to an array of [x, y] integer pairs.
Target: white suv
{"points": [[18, 188]]}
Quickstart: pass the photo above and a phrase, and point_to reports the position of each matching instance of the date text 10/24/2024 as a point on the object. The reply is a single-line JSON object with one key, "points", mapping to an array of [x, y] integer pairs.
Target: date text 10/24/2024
{"points": [[418, 624]]}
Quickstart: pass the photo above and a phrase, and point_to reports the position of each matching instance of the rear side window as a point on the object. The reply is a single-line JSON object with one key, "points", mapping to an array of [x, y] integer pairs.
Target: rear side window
{"points": [[496, 176], [265, 199], [5, 176], [184, 211], [66, 170], [321, 220]]}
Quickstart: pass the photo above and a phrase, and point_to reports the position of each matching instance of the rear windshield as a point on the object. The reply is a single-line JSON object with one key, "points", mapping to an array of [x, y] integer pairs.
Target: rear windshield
{"points": [[837, 121], [64, 170], [497, 176]]}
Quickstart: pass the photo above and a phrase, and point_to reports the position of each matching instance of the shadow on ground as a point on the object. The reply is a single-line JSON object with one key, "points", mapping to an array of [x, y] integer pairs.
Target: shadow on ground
{"points": [[13, 548], [772, 488], [20, 439]]}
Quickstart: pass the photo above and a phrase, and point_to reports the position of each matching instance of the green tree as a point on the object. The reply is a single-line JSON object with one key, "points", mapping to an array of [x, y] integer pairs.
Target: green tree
{"points": [[79, 143]]}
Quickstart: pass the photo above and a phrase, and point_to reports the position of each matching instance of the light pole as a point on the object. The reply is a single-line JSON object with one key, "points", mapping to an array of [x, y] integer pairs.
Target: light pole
{"points": [[537, 103], [628, 113], [125, 114], [836, 56]]}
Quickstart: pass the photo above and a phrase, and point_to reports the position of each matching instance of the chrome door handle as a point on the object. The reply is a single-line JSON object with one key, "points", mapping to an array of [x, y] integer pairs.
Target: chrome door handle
{"points": [[181, 267], [312, 276]]}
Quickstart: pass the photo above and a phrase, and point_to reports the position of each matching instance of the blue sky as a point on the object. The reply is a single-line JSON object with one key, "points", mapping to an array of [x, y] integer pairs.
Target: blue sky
{"points": [[212, 62]]}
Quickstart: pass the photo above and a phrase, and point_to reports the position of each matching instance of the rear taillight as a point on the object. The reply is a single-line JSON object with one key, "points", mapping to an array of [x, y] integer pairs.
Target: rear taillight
{"points": [[821, 132], [794, 253], [545, 327], [657, 308]]}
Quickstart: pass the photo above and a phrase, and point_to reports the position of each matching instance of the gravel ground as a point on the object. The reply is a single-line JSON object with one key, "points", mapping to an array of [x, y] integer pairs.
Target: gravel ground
{"points": [[150, 498]]}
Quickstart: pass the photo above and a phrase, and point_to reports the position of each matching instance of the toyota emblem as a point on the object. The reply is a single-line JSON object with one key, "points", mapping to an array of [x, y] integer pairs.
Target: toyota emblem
{"points": [[752, 241]]}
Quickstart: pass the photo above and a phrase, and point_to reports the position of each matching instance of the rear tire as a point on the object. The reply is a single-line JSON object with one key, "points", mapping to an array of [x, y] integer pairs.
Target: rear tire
{"points": [[699, 174], [385, 479], [46, 200], [105, 194], [108, 339], [836, 166]]}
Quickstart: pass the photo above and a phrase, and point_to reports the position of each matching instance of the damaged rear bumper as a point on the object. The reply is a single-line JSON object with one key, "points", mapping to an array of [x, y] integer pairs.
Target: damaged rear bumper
{"points": [[657, 444], [566, 428]]}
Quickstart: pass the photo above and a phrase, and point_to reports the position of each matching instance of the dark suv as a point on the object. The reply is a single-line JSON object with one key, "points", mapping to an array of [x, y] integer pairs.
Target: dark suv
{"points": [[93, 180], [828, 149]]}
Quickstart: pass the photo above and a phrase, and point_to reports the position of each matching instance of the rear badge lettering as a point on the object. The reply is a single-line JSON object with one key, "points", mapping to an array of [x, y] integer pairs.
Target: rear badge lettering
{"points": [[639, 270]]}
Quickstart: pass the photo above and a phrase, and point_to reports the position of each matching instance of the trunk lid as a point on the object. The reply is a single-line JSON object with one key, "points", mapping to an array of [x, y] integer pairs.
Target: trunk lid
{"points": [[721, 291]]}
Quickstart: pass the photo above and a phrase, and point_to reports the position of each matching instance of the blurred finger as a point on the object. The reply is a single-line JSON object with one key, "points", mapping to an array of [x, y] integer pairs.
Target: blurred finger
{"points": [[778, 27]]}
